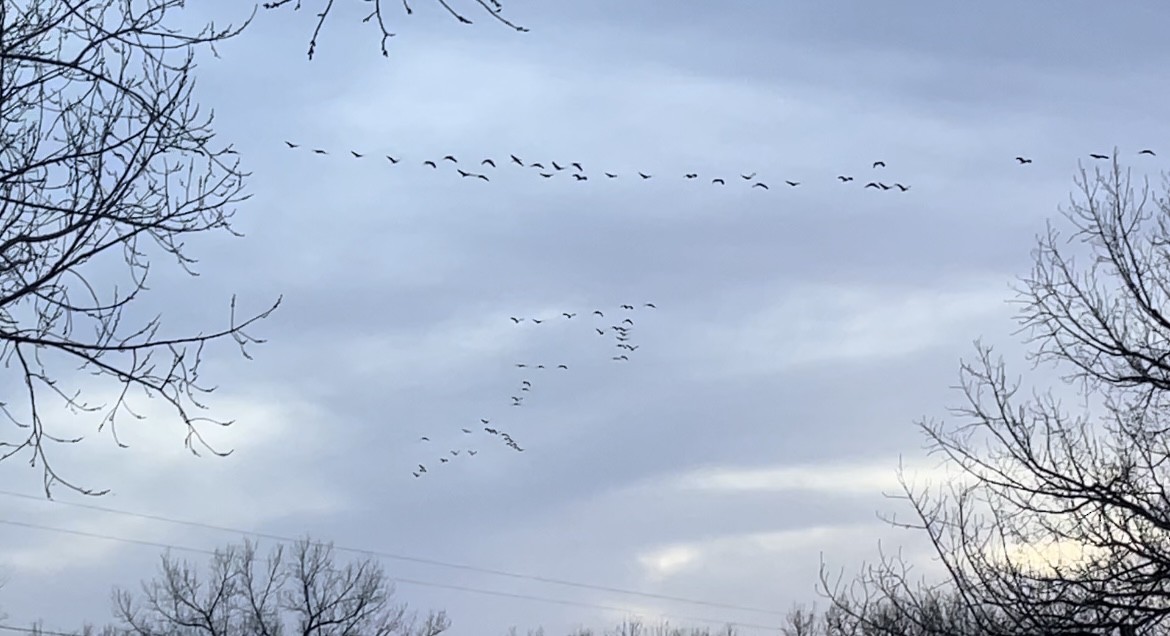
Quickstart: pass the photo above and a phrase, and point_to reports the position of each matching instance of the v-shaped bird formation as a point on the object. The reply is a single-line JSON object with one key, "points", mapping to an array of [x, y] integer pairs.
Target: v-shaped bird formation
{"points": [[616, 326], [483, 169]]}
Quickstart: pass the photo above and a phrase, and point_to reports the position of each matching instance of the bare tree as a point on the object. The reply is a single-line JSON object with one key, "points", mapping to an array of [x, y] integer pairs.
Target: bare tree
{"points": [[378, 16], [1062, 525], [301, 591], [105, 161]]}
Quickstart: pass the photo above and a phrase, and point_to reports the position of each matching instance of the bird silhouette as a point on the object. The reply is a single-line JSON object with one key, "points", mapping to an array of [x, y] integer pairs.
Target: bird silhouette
{"points": [[355, 154], [430, 163], [516, 160], [424, 439], [719, 181], [630, 307], [563, 366], [472, 452], [871, 184], [537, 321], [844, 179], [760, 184], [484, 421], [466, 430], [392, 159], [600, 332], [1023, 160], [580, 177], [651, 305], [482, 177], [463, 173], [416, 475], [488, 162], [516, 320], [536, 165], [577, 166], [792, 183], [450, 158], [1147, 152], [443, 460], [546, 174], [568, 315], [621, 357], [644, 175], [690, 175], [901, 187], [422, 469], [748, 177], [883, 186], [598, 313], [629, 321], [292, 145], [1099, 156], [611, 175], [879, 164], [557, 167], [318, 151]]}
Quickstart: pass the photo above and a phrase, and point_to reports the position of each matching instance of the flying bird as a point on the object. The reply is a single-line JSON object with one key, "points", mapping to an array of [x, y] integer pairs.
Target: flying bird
{"points": [[430, 163], [580, 177], [463, 173], [292, 145], [748, 177], [901, 187], [466, 430], [598, 312], [760, 184], [792, 183], [318, 151], [644, 175], [443, 460], [1023, 160], [392, 159], [516, 160], [1147, 152], [488, 162], [536, 165], [568, 315], [482, 176], [651, 305], [450, 158], [871, 184], [611, 175], [515, 319], [355, 154], [537, 321], [1099, 156], [879, 164], [424, 439], [577, 166], [627, 307], [484, 421], [563, 366], [844, 179], [690, 175], [621, 357], [719, 181], [526, 383], [600, 332], [546, 174], [629, 321], [472, 452], [557, 167], [883, 186]]}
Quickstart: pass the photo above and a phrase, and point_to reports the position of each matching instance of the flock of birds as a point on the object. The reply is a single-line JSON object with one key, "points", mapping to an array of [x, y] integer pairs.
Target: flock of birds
{"points": [[574, 170], [617, 326], [622, 329]]}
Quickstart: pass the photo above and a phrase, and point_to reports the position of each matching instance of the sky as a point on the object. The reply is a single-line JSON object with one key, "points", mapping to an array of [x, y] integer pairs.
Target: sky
{"points": [[797, 336]]}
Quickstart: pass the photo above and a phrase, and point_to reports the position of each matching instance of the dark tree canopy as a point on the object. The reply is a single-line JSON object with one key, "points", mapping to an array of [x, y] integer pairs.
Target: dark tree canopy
{"points": [[106, 162], [379, 15], [1062, 522]]}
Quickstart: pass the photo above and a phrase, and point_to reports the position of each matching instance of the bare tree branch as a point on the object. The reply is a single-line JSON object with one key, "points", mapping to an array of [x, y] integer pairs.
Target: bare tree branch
{"points": [[493, 8], [105, 162]]}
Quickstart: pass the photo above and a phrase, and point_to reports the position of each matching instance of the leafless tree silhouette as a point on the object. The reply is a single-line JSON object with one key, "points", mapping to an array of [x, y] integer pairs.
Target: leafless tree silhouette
{"points": [[299, 591], [105, 160], [378, 16], [1061, 524]]}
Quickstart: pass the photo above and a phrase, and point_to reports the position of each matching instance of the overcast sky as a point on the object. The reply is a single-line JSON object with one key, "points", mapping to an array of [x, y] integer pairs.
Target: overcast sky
{"points": [[798, 335]]}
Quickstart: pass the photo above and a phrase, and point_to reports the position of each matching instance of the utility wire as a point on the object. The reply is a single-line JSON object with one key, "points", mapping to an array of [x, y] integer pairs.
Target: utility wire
{"points": [[411, 559], [461, 588]]}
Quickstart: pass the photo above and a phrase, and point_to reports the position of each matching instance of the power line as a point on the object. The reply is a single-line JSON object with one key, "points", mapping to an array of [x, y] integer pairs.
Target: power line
{"points": [[461, 588], [411, 559]]}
